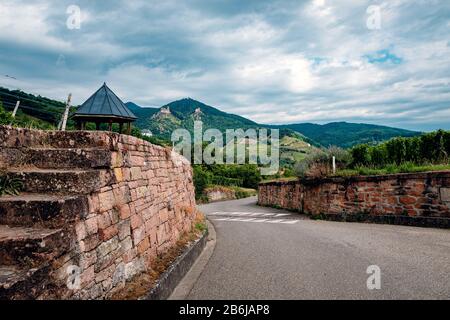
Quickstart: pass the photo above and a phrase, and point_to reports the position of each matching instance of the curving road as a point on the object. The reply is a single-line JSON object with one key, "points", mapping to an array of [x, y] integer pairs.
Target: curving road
{"points": [[264, 253]]}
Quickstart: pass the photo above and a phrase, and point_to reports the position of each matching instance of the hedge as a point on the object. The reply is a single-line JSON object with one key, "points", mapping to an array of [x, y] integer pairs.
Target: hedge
{"points": [[431, 147]]}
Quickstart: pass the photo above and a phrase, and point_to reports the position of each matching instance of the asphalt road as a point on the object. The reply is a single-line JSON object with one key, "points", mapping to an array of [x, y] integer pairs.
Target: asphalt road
{"points": [[264, 253]]}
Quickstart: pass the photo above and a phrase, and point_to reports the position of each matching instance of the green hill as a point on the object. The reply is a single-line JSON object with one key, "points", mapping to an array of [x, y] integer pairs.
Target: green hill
{"points": [[39, 109], [182, 113], [345, 135]]}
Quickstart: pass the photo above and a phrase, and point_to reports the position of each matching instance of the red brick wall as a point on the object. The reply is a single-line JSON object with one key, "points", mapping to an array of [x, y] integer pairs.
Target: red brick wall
{"points": [[413, 195]]}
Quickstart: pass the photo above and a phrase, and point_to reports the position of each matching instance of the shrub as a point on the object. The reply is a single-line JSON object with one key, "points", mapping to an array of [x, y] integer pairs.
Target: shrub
{"points": [[246, 175], [201, 180], [315, 164], [360, 155], [5, 117], [224, 181], [433, 148], [378, 155], [343, 157]]}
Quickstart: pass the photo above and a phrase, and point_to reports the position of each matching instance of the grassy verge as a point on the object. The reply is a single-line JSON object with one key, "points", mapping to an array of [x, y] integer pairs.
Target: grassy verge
{"points": [[141, 284], [233, 192], [244, 192], [280, 179], [391, 169]]}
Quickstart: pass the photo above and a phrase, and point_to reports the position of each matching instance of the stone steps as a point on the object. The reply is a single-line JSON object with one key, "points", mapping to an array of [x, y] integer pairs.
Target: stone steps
{"points": [[41, 210], [58, 170], [27, 138], [22, 283], [59, 158], [30, 247], [58, 181]]}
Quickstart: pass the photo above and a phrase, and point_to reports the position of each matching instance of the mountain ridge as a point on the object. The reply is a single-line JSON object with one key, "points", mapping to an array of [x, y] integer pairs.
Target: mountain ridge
{"points": [[342, 133], [185, 111]]}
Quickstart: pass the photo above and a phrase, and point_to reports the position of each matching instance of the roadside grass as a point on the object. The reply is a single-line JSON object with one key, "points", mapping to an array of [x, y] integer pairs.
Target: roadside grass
{"points": [[244, 192], [239, 192]]}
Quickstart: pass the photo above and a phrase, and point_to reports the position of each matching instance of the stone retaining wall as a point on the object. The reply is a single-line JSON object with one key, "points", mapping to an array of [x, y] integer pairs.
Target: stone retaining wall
{"points": [[135, 199], [417, 198]]}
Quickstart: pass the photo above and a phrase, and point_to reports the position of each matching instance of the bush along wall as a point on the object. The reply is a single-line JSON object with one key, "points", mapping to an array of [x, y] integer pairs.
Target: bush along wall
{"points": [[430, 148]]}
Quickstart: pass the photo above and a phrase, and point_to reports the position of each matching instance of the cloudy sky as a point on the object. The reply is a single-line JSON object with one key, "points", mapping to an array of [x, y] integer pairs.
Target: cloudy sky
{"points": [[278, 61]]}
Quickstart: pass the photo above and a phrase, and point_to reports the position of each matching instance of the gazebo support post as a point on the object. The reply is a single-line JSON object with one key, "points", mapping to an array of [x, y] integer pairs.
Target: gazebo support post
{"points": [[120, 127]]}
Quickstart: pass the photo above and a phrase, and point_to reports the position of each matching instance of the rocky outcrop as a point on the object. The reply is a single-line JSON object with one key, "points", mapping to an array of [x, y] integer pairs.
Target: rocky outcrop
{"points": [[95, 210], [219, 194]]}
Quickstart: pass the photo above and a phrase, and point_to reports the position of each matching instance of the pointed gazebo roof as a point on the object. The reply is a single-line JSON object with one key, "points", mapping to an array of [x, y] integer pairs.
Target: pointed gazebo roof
{"points": [[104, 104]]}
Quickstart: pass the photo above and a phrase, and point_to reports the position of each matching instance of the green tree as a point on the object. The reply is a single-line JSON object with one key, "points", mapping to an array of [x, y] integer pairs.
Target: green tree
{"points": [[378, 155], [5, 117], [360, 155]]}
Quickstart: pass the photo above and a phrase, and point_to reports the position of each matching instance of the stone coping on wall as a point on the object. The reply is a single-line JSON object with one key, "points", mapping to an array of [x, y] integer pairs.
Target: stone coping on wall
{"points": [[360, 178]]}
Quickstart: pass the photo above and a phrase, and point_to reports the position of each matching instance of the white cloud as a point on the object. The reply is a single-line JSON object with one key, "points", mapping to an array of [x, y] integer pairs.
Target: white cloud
{"points": [[275, 62], [25, 24]]}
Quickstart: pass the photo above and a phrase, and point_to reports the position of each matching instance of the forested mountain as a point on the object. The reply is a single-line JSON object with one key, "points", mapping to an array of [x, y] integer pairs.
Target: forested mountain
{"points": [[344, 134], [182, 114]]}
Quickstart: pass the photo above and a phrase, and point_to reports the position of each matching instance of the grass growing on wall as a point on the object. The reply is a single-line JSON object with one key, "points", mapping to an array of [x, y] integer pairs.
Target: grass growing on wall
{"points": [[406, 167], [9, 186]]}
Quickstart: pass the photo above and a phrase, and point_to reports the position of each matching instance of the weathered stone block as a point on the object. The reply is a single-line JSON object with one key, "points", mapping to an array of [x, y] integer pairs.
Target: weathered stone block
{"points": [[136, 173], [124, 211], [108, 246], [124, 229], [138, 234], [126, 245], [136, 221], [87, 259], [445, 194], [106, 200], [108, 233], [80, 230], [119, 275]]}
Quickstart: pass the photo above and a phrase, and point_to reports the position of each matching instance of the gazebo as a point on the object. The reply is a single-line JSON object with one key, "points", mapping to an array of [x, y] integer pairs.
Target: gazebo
{"points": [[104, 107]]}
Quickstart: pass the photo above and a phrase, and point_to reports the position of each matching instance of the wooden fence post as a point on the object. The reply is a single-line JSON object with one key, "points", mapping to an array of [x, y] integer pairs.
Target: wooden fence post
{"points": [[15, 109], [66, 113], [334, 165]]}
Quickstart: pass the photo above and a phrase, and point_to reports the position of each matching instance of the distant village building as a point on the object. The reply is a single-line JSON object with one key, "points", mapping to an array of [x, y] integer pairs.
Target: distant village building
{"points": [[146, 133], [104, 107]]}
